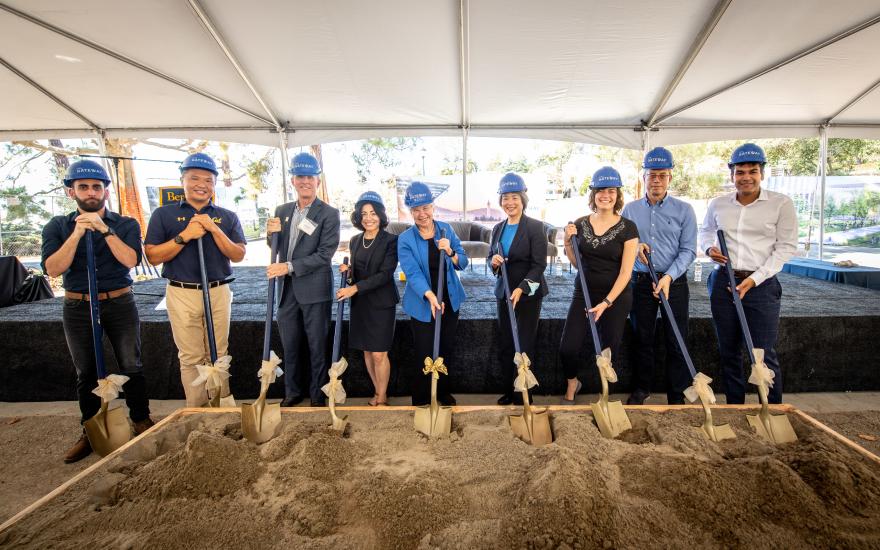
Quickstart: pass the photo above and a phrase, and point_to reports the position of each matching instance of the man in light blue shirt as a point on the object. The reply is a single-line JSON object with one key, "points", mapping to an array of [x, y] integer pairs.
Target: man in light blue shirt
{"points": [[668, 230]]}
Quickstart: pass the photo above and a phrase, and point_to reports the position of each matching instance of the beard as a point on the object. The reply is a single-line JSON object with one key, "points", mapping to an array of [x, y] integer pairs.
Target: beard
{"points": [[92, 205]]}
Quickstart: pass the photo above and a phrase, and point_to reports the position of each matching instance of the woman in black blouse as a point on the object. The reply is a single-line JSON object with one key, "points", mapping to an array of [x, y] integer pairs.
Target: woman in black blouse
{"points": [[372, 290], [608, 245]]}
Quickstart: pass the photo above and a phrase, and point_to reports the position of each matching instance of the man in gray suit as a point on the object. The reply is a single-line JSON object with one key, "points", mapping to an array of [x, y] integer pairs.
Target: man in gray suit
{"points": [[309, 231]]}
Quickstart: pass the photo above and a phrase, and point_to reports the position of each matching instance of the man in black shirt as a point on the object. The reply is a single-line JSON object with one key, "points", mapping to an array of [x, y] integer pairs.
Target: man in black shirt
{"points": [[117, 249]]}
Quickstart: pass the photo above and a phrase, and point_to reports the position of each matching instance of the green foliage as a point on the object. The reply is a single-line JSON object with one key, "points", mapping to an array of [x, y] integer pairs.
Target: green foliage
{"points": [[453, 166], [519, 165], [382, 152], [801, 156]]}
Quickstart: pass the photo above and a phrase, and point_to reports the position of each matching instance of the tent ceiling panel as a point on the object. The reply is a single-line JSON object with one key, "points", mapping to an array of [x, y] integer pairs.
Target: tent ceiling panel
{"points": [[163, 34], [865, 110], [575, 61], [810, 89], [349, 62], [105, 90], [755, 34], [24, 108]]}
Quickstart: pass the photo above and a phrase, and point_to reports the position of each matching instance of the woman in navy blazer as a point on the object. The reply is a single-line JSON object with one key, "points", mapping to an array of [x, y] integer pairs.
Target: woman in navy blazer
{"points": [[418, 250], [523, 243]]}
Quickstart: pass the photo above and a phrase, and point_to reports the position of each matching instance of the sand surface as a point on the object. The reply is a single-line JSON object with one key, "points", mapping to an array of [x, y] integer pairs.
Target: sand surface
{"points": [[198, 484]]}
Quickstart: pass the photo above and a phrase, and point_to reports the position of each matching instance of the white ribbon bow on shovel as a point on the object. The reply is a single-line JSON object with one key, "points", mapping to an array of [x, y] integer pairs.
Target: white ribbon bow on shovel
{"points": [[603, 361], [213, 376], [270, 370], [333, 389], [108, 388], [700, 389], [524, 378], [760, 371]]}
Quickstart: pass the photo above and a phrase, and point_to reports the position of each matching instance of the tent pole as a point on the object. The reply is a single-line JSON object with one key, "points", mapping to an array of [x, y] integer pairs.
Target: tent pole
{"points": [[114, 174], [464, 171], [285, 164], [823, 164]]}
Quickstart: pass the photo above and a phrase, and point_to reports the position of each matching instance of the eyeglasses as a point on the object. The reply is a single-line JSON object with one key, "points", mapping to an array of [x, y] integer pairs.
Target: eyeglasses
{"points": [[663, 176]]}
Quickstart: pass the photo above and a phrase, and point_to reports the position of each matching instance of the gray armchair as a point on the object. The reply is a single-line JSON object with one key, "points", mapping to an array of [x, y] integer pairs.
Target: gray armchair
{"points": [[552, 249], [475, 239], [396, 228]]}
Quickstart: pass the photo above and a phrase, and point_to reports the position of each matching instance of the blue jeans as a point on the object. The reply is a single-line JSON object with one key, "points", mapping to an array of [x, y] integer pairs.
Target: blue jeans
{"points": [[119, 318], [761, 305]]}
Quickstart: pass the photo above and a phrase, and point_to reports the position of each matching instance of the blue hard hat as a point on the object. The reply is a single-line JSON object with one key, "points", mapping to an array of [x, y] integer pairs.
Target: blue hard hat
{"points": [[417, 194], [511, 183], [658, 158], [747, 153], [369, 196], [200, 161], [85, 170], [606, 177], [304, 164]]}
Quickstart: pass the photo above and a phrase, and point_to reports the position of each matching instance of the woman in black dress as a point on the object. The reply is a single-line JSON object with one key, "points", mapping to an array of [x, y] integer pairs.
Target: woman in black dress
{"points": [[372, 290], [608, 244], [523, 242]]}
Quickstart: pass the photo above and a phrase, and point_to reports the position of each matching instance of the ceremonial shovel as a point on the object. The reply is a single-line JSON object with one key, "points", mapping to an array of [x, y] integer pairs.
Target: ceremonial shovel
{"points": [[773, 427], [260, 421], [700, 388], [215, 374], [531, 427], [610, 416], [108, 429], [434, 420], [333, 389]]}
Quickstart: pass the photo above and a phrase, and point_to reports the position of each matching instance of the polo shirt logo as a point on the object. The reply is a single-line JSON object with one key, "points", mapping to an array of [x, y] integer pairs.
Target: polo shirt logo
{"points": [[181, 219], [216, 220]]}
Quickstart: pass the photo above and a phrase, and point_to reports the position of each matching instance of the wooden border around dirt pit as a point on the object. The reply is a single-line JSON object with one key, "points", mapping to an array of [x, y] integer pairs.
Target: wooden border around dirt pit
{"points": [[457, 409]]}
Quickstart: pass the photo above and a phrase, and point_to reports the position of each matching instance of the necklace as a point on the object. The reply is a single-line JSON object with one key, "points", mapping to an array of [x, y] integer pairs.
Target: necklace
{"points": [[372, 242]]}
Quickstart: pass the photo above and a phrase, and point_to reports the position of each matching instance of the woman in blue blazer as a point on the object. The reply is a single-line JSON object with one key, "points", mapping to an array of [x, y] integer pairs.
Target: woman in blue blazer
{"points": [[418, 250]]}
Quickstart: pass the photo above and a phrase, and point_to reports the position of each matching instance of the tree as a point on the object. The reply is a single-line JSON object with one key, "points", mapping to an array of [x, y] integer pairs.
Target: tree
{"points": [[382, 152], [453, 166]]}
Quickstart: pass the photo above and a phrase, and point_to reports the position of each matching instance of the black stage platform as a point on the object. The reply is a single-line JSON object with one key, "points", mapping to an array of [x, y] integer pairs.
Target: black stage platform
{"points": [[826, 343]]}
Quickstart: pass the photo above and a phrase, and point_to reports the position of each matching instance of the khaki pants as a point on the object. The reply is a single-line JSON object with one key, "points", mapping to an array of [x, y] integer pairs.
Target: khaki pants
{"points": [[186, 311]]}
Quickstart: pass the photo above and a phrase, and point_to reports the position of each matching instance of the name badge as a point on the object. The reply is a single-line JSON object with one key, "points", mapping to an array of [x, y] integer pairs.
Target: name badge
{"points": [[307, 226]]}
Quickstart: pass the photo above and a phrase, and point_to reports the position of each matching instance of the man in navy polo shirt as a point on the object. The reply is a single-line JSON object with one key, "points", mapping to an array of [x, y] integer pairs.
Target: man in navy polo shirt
{"points": [[668, 230], [171, 241], [117, 249]]}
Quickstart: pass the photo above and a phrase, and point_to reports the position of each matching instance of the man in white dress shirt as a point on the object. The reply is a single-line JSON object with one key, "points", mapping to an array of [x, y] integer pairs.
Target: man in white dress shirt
{"points": [[760, 228]]}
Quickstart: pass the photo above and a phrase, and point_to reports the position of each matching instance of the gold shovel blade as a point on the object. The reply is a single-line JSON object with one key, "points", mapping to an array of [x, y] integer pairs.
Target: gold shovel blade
{"points": [[534, 428], [718, 433], [260, 424], [773, 427], [614, 422], [339, 423], [433, 423], [108, 430]]}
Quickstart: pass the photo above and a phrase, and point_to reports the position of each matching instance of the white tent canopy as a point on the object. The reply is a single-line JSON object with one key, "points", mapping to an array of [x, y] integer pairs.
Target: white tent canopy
{"points": [[607, 72]]}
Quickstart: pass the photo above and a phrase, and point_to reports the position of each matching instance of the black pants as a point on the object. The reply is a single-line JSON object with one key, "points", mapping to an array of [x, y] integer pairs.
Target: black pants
{"points": [[312, 322], [576, 333], [644, 321], [119, 318], [423, 343], [761, 306], [527, 313]]}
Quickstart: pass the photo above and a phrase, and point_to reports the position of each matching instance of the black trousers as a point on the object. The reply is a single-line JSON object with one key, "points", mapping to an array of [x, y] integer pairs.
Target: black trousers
{"points": [[644, 321], [119, 318], [312, 322], [423, 343], [576, 333], [527, 315]]}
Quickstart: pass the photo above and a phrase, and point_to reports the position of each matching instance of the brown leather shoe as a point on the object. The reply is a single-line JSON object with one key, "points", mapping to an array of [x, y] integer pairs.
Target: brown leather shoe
{"points": [[143, 425], [79, 451]]}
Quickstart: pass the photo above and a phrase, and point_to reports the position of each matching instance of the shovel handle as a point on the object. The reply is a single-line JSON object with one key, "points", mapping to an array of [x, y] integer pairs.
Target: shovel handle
{"points": [[580, 266], [94, 304], [340, 309], [671, 317], [206, 298], [270, 302], [737, 302], [510, 312], [441, 281]]}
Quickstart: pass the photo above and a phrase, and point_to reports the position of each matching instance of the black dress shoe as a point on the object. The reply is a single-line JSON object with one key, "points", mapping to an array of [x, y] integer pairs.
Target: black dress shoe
{"points": [[637, 397], [318, 403], [447, 400], [292, 401], [505, 399]]}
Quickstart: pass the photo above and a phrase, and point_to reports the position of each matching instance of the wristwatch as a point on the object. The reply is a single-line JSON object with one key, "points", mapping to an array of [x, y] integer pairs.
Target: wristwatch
{"points": [[179, 240], [108, 233], [607, 301]]}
